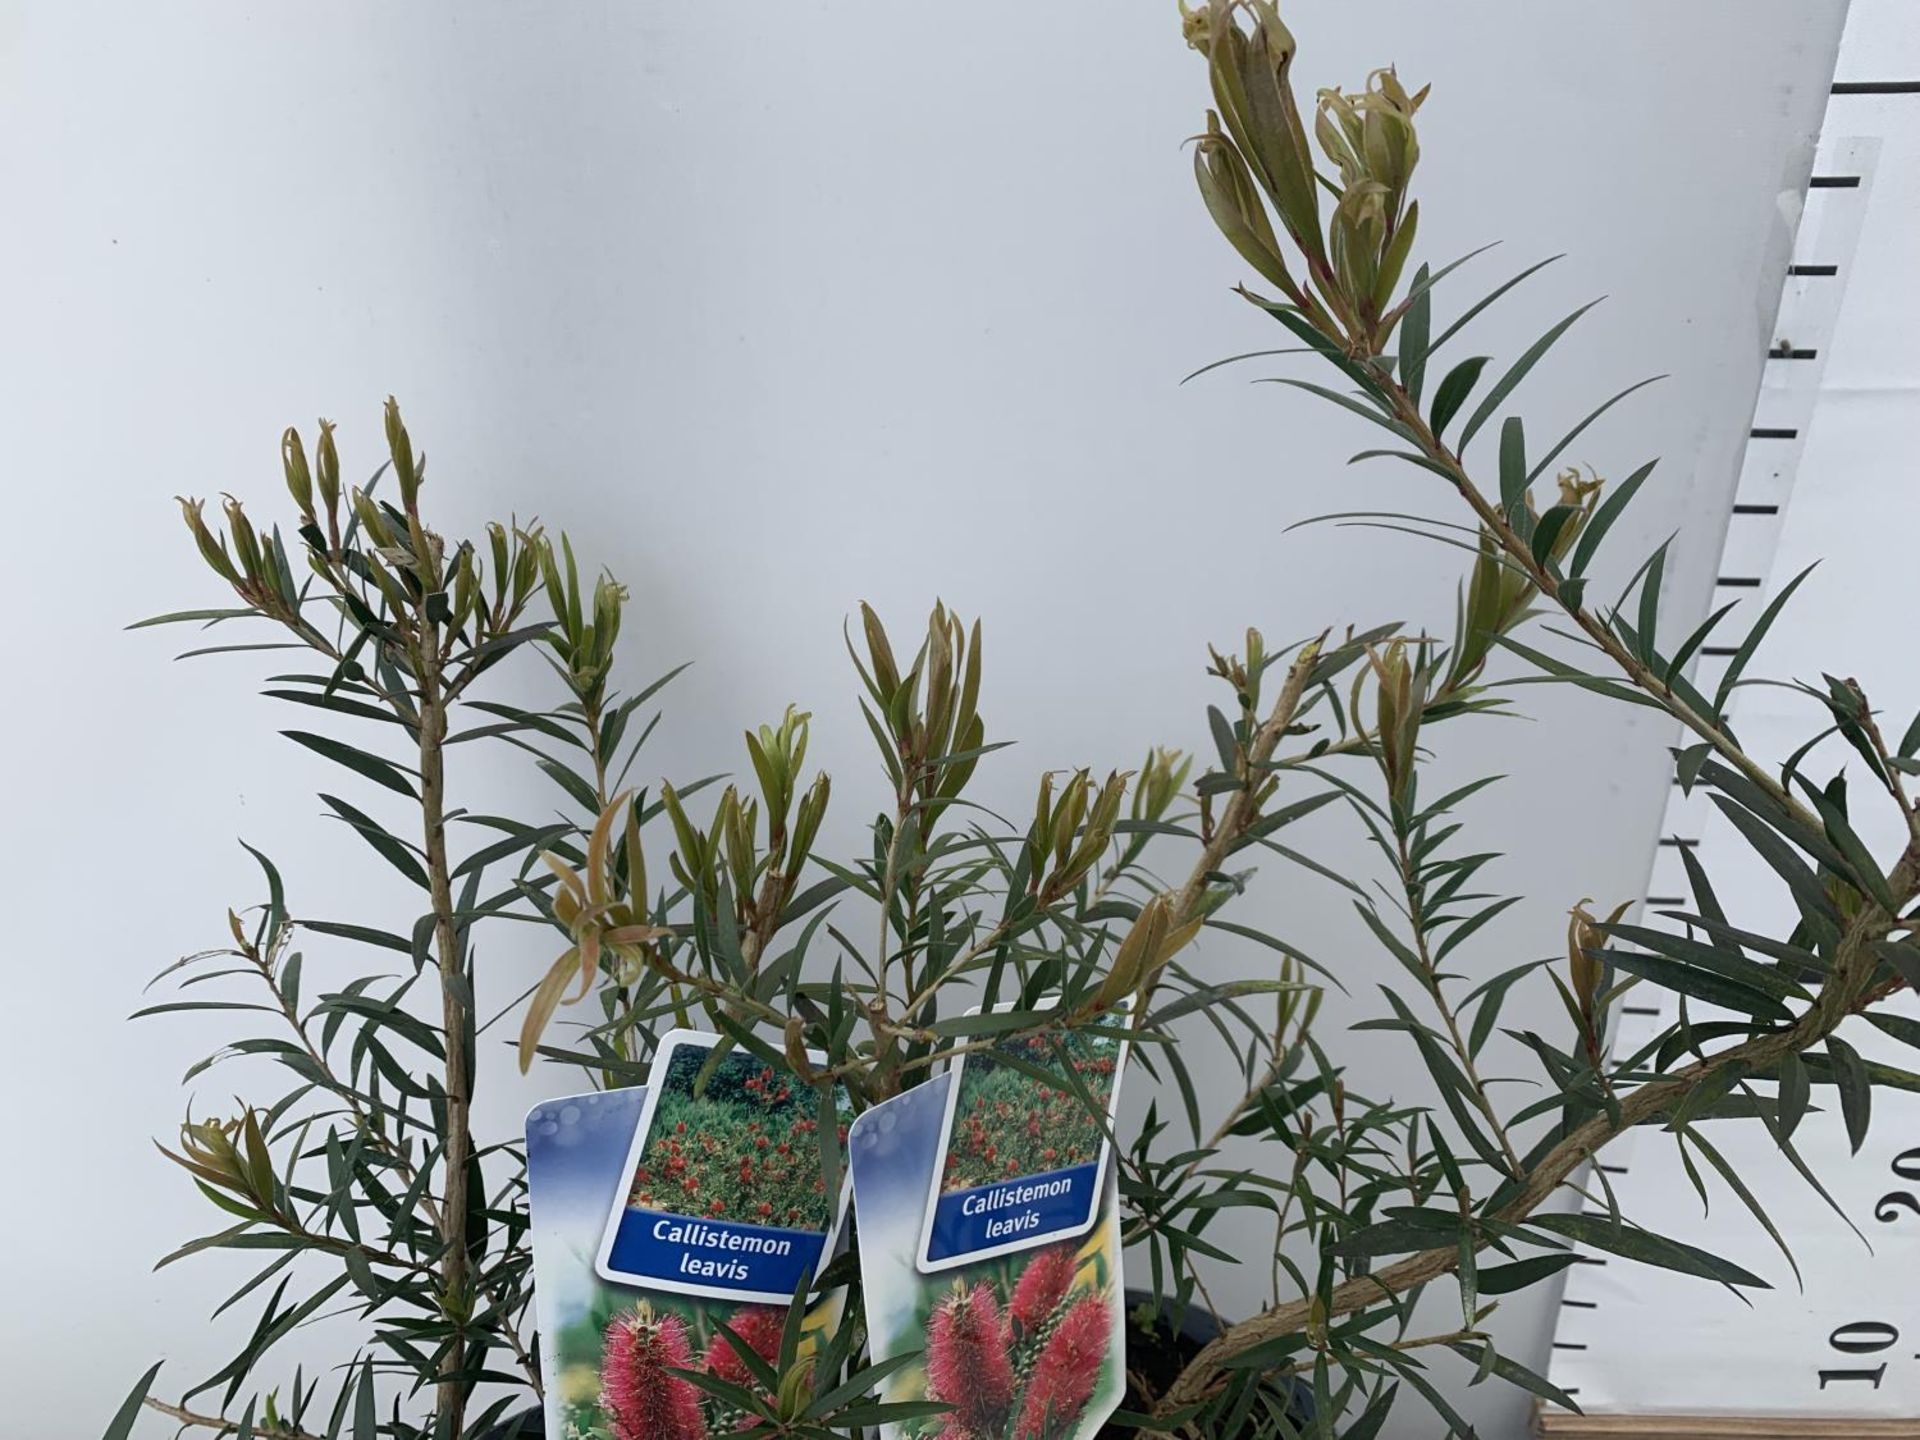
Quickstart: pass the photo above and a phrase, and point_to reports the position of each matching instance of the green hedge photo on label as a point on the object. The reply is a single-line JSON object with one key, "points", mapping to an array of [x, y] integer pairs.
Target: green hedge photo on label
{"points": [[726, 1193], [1025, 1140]]}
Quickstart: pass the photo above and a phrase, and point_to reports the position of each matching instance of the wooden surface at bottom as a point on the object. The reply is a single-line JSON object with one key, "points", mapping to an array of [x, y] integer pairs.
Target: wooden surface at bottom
{"points": [[1560, 1425]]}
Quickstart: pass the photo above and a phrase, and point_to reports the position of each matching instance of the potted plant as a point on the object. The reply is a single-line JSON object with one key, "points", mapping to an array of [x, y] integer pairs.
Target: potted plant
{"points": [[358, 1175]]}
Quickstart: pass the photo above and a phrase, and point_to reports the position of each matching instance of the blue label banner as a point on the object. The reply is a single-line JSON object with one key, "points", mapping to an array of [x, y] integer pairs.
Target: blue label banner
{"points": [[722, 1254], [1013, 1212]]}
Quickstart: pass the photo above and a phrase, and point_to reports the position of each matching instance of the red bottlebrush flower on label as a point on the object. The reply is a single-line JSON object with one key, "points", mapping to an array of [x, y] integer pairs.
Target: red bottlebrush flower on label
{"points": [[1042, 1286], [641, 1396], [967, 1362], [760, 1326], [1066, 1371]]}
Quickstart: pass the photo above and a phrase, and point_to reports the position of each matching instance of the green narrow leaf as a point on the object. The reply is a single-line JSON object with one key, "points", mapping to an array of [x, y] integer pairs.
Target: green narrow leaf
{"points": [[1547, 459], [1453, 392], [1910, 741], [121, 1426], [1545, 533], [1481, 304], [1856, 1089], [366, 1422], [1514, 1373], [365, 934], [1780, 857], [1650, 601], [1699, 984], [1367, 1425], [1513, 467], [1610, 510], [177, 616], [1414, 330], [1754, 637], [1795, 1090], [1224, 740], [1650, 1249], [1471, 924], [568, 781], [1494, 994], [390, 847], [1507, 383], [1505, 1279], [1345, 402], [1860, 865], [1678, 664], [1729, 962], [379, 771], [1747, 1197]]}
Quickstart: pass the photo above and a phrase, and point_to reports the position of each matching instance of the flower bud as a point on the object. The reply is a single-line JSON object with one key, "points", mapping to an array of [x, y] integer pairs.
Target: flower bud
{"points": [[1579, 496], [806, 825], [562, 596], [886, 672], [1102, 815], [1150, 944], [397, 598], [1586, 971], [293, 460], [1067, 816], [1399, 701], [608, 596], [246, 544], [1196, 26], [211, 550], [372, 521], [327, 462], [465, 587], [230, 1155], [1233, 200], [1254, 94], [691, 861], [526, 566], [1161, 778], [1040, 838], [406, 470], [1357, 239], [738, 820], [502, 563]]}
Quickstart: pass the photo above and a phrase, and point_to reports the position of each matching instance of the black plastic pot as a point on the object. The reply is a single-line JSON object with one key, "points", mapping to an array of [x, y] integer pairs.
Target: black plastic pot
{"points": [[1157, 1353]]}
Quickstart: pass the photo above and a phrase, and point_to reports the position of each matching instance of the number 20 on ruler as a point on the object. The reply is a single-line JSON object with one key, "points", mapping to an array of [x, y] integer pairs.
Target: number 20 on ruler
{"points": [[1864, 1338]]}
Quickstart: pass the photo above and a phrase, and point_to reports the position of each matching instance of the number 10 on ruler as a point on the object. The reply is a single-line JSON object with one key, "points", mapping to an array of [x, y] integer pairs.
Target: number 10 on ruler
{"points": [[1866, 1338]]}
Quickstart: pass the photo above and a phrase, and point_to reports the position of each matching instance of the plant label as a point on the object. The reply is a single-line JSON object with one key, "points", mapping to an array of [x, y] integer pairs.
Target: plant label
{"points": [[726, 1193], [1022, 1161], [612, 1353], [1022, 1335]]}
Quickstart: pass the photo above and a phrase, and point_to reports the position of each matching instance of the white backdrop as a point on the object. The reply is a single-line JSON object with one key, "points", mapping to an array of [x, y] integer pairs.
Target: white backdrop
{"points": [[1637, 1341], [777, 310]]}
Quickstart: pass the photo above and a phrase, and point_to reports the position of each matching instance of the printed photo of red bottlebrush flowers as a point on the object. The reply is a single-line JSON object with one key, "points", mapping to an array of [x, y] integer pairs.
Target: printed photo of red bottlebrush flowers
{"points": [[1006, 1123], [732, 1140], [1019, 1351], [643, 1396]]}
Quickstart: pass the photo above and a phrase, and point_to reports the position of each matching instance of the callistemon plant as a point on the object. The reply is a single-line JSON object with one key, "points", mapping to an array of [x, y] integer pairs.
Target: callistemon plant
{"points": [[1108, 908]]}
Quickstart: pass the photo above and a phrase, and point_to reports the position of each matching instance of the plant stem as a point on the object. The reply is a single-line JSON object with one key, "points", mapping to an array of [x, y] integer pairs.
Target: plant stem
{"points": [[450, 1407], [1244, 808], [185, 1417], [1520, 554], [1416, 916]]}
